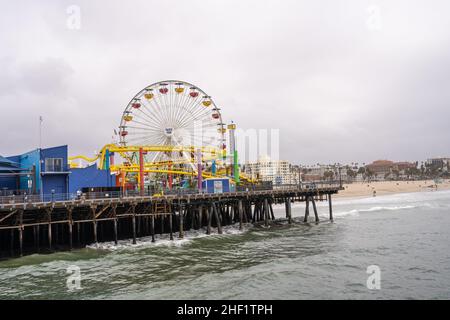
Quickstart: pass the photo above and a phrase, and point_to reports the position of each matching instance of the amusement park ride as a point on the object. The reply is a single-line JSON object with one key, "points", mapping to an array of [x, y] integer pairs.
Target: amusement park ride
{"points": [[171, 133]]}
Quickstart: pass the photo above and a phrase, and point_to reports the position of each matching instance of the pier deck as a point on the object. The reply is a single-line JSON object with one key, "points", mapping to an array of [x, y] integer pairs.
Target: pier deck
{"points": [[28, 225]]}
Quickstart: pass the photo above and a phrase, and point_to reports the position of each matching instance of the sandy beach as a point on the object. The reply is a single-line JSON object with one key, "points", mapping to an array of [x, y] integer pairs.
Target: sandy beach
{"points": [[356, 190]]}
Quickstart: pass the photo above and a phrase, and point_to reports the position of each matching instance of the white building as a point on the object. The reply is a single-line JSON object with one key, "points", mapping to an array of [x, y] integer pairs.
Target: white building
{"points": [[276, 171]]}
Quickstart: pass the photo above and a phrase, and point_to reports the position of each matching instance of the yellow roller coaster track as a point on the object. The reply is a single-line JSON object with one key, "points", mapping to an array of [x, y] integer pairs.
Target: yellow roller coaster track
{"points": [[209, 153], [122, 150]]}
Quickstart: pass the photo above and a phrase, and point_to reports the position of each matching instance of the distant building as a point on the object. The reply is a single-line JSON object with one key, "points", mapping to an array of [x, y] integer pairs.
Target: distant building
{"points": [[403, 166], [439, 162], [324, 172], [276, 171], [311, 177], [382, 169]]}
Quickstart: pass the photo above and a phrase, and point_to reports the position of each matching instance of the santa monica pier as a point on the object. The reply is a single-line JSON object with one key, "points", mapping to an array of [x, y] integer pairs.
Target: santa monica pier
{"points": [[161, 176]]}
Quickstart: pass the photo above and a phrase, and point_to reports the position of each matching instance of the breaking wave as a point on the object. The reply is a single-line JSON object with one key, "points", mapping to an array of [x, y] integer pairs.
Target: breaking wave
{"points": [[374, 209], [164, 240]]}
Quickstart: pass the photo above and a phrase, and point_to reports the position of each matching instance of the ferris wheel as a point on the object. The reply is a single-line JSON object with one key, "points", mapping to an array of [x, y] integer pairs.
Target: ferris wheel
{"points": [[172, 113]]}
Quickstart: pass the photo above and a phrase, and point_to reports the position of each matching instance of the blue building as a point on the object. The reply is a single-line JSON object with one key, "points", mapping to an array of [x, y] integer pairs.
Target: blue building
{"points": [[89, 177], [46, 172], [10, 173], [217, 185]]}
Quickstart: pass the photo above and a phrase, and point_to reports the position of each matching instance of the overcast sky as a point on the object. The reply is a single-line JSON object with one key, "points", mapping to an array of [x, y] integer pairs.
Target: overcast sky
{"points": [[343, 81]]}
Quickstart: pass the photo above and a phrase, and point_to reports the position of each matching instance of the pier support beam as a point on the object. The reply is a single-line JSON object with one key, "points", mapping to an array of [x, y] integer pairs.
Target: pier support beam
{"points": [[171, 226], [49, 234], [181, 222], [306, 210], [11, 242], [70, 224], [208, 218], [316, 215], [94, 224], [266, 212], [36, 237], [114, 213], [153, 228], [240, 209], [330, 206], [115, 231], [21, 233], [216, 215], [133, 221], [271, 210], [287, 204], [200, 216]]}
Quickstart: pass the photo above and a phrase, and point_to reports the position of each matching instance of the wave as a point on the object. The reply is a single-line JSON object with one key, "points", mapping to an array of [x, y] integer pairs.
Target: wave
{"points": [[164, 240], [374, 209]]}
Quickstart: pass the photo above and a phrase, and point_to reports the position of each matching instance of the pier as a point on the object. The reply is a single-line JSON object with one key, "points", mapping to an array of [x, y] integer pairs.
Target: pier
{"points": [[28, 225]]}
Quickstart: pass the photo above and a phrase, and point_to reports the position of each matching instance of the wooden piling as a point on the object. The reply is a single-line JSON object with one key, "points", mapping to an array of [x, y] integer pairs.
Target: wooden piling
{"points": [[78, 233], [306, 209], [36, 237], [21, 232], [170, 226], [94, 223], [200, 216], [11, 242], [271, 210], [49, 232], [330, 207], [288, 210], [21, 241], [218, 222], [240, 209], [315, 209], [115, 231], [70, 223], [208, 217], [153, 228], [133, 221], [181, 223], [266, 212], [114, 215]]}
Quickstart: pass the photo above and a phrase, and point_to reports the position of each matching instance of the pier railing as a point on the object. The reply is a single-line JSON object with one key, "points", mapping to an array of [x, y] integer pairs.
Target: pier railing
{"points": [[55, 197]]}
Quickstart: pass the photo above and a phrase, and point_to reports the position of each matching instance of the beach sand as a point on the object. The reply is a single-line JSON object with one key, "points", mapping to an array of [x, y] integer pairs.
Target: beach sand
{"points": [[356, 190]]}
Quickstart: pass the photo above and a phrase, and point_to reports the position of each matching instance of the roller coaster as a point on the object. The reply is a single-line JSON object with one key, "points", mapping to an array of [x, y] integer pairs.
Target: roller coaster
{"points": [[170, 129]]}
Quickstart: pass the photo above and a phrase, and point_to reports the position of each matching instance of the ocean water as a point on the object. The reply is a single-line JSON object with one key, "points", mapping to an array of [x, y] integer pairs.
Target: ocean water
{"points": [[407, 236]]}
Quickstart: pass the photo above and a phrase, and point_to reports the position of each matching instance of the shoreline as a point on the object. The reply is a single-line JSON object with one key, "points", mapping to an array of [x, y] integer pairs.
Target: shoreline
{"points": [[366, 190]]}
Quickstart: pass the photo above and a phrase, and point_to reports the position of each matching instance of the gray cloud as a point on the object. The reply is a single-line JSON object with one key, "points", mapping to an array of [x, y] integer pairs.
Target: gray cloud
{"points": [[336, 89]]}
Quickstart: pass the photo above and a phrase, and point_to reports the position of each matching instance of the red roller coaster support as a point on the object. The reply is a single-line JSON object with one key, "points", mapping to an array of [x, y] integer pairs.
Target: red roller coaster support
{"points": [[141, 171]]}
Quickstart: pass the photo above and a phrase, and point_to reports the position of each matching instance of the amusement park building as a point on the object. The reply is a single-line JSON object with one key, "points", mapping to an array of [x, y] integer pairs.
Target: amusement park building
{"points": [[46, 171]]}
